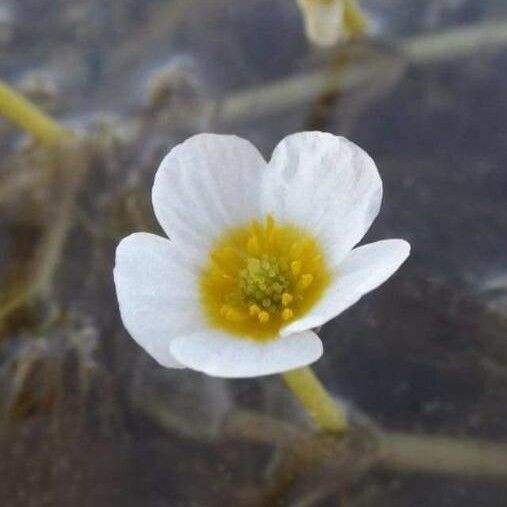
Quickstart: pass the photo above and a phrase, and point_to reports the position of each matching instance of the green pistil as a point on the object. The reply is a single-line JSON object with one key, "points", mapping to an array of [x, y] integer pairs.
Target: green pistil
{"points": [[263, 282]]}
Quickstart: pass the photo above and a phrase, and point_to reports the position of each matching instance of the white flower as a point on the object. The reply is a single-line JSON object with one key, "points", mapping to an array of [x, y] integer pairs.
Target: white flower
{"points": [[259, 253], [324, 23], [329, 21]]}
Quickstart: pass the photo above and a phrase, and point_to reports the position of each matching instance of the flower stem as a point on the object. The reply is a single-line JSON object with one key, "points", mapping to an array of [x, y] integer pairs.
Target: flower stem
{"points": [[20, 111], [326, 412]]}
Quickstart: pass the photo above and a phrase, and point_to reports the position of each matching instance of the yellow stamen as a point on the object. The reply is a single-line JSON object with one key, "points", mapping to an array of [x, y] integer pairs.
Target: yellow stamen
{"points": [[255, 273], [270, 223], [305, 281], [296, 250], [252, 247], [263, 317], [287, 299], [232, 314], [287, 314], [295, 267], [254, 310], [226, 256], [219, 276]]}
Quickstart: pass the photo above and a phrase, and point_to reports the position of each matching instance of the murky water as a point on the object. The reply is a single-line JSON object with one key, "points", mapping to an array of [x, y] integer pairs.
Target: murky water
{"points": [[87, 418]]}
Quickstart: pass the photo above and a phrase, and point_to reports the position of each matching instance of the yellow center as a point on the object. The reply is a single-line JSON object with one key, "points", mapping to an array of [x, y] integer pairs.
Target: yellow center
{"points": [[261, 276]]}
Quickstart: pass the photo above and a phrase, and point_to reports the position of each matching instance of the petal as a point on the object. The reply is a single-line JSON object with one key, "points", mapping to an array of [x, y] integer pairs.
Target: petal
{"points": [[157, 294], [207, 184], [220, 355], [326, 184], [364, 269], [324, 24]]}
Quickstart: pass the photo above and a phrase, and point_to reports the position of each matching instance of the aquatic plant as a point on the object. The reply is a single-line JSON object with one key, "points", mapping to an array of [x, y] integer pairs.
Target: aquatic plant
{"points": [[68, 202], [259, 255]]}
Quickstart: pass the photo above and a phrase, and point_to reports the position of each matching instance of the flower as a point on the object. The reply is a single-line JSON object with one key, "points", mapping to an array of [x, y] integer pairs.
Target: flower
{"points": [[259, 253], [329, 21]]}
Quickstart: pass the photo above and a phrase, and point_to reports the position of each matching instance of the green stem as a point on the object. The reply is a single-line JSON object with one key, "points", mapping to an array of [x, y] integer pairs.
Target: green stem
{"points": [[327, 413], [20, 111]]}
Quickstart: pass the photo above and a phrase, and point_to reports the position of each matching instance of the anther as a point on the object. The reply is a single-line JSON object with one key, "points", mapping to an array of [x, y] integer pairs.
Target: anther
{"points": [[224, 258], [263, 317], [252, 246], [219, 275], [296, 250], [254, 310], [287, 314], [305, 281], [235, 316], [256, 228], [261, 275], [295, 267], [287, 299], [270, 230], [231, 314]]}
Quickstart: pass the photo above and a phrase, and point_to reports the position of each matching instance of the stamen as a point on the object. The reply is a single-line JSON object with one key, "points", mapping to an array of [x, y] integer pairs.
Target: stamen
{"points": [[252, 247], [225, 259], [254, 310], [305, 281], [263, 317], [220, 276], [287, 314], [270, 223], [231, 314], [295, 267], [256, 228], [260, 276], [296, 250], [287, 299]]}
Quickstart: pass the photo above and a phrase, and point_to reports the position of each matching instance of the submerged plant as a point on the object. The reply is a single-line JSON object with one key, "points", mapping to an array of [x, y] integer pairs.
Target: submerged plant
{"points": [[260, 254]]}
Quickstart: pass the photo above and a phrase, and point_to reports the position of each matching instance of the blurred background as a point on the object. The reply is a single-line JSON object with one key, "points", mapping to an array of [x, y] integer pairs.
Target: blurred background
{"points": [[88, 419]]}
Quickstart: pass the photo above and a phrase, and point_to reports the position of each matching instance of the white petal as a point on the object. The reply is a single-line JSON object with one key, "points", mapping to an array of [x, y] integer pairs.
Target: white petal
{"points": [[157, 294], [326, 184], [207, 184], [365, 268], [324, 24], [220, 355]]}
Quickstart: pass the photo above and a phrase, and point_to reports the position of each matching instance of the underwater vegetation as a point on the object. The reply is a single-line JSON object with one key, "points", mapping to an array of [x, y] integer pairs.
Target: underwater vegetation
{"points": [[103, 91]]}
